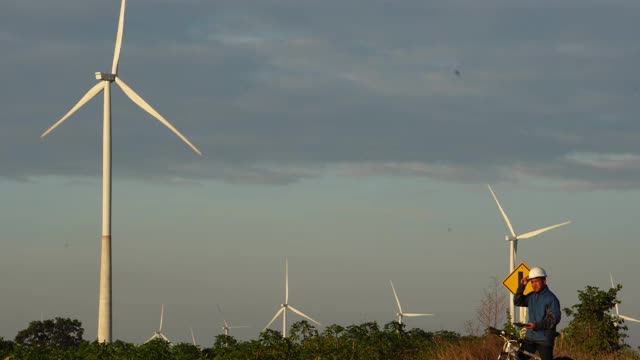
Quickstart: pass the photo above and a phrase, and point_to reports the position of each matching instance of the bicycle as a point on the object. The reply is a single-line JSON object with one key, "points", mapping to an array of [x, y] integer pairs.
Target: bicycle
{"points": [[512, 345]]}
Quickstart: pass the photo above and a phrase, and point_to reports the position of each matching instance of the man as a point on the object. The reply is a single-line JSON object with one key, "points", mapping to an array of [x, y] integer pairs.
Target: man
{"points": [[543, 315]]}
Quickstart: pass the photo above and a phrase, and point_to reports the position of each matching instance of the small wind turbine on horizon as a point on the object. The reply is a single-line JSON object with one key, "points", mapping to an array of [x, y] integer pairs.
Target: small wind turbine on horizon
{"points": [[400, 313], [227, 325], [158, 334], [193, 338], [104, 84], [286, 305], [513, 244], [626, 318]]}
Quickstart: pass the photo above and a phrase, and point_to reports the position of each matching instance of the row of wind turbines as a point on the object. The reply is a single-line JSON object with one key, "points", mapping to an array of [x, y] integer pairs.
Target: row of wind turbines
{"points": [[105, 297], [105, 307], [158, 334], [400, 313]]}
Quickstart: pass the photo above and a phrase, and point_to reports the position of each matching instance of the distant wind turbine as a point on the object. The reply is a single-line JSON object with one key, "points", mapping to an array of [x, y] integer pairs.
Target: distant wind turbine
{"points": [[513, 244], [227, 326], [193, 338], [158, 334], [104, 84], [626, 318], [286, 305], [400, 313]]}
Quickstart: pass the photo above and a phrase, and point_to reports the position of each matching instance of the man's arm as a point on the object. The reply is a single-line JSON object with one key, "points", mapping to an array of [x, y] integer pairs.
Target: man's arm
{"points": [[520, 299], [551, 316]]}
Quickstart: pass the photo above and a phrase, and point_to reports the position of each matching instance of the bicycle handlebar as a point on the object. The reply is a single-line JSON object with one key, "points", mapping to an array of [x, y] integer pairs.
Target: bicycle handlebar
{"points": [[502, 333]]}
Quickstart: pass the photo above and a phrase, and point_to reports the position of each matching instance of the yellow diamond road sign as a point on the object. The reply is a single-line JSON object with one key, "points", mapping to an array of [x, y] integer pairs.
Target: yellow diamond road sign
{"points": [[513, 280]]}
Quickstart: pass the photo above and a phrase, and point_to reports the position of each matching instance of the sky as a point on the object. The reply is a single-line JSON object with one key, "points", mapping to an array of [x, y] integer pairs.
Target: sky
{"points": [[356, 138]]}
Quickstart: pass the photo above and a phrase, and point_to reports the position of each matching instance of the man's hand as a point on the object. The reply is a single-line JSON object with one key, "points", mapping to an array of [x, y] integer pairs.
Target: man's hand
{"points": [[530, 326], [524, 281]]}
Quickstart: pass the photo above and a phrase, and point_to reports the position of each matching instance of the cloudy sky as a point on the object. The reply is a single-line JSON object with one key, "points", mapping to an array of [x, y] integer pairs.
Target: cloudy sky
{"points": [[355, 137]]}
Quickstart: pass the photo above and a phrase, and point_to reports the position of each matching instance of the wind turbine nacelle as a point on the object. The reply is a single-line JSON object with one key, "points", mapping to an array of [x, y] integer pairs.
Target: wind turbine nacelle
{"points": [[105, 76], [509, 238]]}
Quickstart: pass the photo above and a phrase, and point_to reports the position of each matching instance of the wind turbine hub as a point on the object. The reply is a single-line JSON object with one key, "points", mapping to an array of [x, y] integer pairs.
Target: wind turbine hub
{"points": [[105, 76]]}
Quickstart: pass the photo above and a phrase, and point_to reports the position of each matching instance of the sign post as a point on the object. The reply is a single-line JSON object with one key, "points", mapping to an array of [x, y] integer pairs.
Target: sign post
{"points": [[512, 282]]}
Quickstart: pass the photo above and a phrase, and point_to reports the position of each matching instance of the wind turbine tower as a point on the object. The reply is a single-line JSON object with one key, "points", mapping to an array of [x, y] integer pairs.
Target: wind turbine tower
{"points": [[513, 238], [104, 85], [286, 305]]}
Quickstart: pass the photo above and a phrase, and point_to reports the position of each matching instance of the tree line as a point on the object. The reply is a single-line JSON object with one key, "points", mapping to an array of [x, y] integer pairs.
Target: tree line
{"points": [[594, 329]]}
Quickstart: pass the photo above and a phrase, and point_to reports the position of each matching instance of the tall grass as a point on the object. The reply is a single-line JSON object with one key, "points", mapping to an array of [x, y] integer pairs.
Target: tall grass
{"points": [[488, 347]]}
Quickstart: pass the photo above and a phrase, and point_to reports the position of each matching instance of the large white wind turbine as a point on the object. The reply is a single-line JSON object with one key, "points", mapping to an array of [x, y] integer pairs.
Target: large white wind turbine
{"points": [[513, 243], [400, 313], [226, 327], [286, 305], [158, 334], [626, 318], [104, 84]]}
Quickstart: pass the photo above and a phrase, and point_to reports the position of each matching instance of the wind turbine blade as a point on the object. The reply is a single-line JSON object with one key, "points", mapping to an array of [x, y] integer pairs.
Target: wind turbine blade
{"points": [[146, 107], [151, 338], [161, 317], [504, 215], [274, 318], [286, 280], [116, 52], [540, 231], [396, 295], [88, 96], [611, 277], [414, 314], [165, 338], [627, 318], [302, 314], [225, 323], [193, 338]]}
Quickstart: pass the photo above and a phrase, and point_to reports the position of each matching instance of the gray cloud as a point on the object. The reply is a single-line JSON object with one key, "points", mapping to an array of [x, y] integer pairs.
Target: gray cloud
{"points": [[278, 91]]}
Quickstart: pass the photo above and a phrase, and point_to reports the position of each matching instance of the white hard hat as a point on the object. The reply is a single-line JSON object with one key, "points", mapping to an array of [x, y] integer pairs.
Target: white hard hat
{"points": [[537, 272]]}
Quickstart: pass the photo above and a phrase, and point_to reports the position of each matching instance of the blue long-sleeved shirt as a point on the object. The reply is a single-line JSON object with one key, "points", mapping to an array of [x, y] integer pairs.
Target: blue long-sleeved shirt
{"points": [[544, 312]]}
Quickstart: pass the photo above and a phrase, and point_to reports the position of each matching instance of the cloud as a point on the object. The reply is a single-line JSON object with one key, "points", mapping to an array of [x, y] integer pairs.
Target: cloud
{"points": [[606, 161], [281, 91]]}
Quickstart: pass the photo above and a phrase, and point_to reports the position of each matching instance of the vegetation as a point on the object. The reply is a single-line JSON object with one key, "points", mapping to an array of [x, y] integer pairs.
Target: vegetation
{"points": [[58, 333], [593, 327], [593, 333]]}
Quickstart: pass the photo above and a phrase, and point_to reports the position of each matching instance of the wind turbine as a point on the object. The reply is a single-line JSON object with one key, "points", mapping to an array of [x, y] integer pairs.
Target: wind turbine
{"points": [[286, 305], [513, 244], [158, 334], [226, 326], [193, 338], [626, 318], [104, 85], [400, 313]]}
